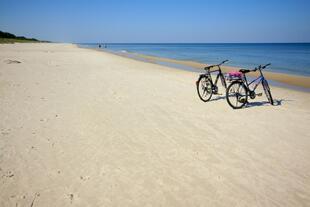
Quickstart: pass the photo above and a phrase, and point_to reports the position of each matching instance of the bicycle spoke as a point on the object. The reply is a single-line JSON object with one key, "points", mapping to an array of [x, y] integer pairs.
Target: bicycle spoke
{"points": [[204, 92], [238, 95]]}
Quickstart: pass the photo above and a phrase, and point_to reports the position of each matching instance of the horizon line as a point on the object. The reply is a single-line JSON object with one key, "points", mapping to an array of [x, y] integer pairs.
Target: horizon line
{"points": [[185, 42]]}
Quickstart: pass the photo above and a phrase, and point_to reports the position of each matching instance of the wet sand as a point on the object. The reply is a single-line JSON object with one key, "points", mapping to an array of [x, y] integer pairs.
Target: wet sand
{"points": [[294, 80]]}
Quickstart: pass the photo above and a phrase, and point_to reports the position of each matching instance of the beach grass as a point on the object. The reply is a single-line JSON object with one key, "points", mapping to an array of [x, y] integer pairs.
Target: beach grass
{"points": [[16, 40], [10, 40]]}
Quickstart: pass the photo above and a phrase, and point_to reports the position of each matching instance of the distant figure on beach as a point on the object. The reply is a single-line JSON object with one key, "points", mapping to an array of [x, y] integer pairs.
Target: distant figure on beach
{"points": [[99, 45], [105, 46]]}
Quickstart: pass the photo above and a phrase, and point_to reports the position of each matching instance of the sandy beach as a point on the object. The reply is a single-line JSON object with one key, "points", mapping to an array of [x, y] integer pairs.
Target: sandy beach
{"points": [[80, 127]]}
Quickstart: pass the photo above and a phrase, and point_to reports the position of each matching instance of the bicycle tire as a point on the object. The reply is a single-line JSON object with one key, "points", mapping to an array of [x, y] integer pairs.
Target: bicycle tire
{"points": [[204, 83], [267, 91], [234, 97]]}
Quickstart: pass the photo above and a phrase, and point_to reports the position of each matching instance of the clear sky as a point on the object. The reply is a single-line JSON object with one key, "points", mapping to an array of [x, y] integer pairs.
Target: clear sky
{"points": [[158, 20]]}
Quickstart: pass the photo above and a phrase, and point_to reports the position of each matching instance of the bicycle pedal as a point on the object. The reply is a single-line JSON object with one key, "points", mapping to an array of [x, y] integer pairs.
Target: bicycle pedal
{"points": [[259, 94]]}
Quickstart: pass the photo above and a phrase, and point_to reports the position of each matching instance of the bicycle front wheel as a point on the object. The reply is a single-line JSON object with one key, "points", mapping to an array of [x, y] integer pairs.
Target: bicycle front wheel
{"points": [[267, 91], [236, 95], [204, 88]]}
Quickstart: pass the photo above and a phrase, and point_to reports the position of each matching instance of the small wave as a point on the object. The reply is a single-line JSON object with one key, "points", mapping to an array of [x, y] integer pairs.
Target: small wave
{"points": [[124, 51]]}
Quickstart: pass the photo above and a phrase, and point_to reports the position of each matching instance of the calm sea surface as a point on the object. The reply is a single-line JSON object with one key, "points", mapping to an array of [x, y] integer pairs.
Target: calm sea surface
{"points": [[292, 58]]}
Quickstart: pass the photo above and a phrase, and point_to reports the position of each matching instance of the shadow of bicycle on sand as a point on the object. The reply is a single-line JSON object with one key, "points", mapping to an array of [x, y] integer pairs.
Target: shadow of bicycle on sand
{"points": [[217, 98], [277, 102]]}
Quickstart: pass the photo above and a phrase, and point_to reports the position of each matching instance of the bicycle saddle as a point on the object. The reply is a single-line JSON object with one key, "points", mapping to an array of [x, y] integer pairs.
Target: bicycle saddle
{"points": [[244, 70]]}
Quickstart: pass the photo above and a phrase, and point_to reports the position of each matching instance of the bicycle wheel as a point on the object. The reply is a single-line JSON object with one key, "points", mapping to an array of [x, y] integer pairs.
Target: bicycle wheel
{"points": [[267, 91], [204, 88], [236, 95]]}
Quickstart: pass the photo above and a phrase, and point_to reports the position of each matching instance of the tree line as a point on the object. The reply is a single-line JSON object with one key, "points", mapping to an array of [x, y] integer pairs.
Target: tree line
{"points": [[12, 36]]}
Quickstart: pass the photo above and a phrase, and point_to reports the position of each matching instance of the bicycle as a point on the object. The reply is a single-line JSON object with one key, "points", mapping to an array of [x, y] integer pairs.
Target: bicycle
{"points": [[205, 85], [239, 89]]}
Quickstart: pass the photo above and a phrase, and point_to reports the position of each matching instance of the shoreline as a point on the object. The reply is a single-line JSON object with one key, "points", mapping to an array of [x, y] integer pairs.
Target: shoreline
{"points": [[285, 80], [291, 80]]}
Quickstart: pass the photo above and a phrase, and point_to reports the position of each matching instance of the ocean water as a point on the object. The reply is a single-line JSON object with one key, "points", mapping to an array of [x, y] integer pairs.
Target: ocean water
{"points": [[291, 58]]}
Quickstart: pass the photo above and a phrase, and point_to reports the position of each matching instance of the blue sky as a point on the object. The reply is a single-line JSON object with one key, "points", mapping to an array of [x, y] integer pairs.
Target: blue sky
{"points": [[158, 20]]}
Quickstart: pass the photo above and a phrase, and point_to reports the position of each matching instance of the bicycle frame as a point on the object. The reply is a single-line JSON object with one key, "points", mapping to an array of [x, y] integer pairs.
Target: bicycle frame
{"points": [[256, 81], [220, 73]]}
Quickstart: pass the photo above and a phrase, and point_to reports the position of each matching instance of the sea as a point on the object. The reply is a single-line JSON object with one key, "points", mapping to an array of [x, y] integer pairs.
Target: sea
{"points": [[290, 58]]}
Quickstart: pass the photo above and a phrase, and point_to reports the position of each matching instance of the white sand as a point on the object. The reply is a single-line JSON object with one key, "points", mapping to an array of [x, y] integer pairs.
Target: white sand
{"points": [[85, 128]]}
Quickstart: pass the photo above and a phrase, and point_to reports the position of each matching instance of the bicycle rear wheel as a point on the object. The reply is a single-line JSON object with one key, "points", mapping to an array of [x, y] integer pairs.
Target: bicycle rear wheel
{"points": [[236, 95], [204, 88], [267, 91]]}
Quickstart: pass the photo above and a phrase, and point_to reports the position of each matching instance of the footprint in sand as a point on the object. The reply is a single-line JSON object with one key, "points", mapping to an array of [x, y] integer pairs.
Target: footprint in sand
{"points": [[71, 196], [84, 178], [115, 95], [49, 140], [12, 61], [8, 174], [35, 197], [44, 120], [5, 132], [16, 85]]}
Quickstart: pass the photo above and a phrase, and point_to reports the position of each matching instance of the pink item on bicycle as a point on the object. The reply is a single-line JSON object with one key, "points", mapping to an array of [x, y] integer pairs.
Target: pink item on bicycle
{"points": [[236, 74]]}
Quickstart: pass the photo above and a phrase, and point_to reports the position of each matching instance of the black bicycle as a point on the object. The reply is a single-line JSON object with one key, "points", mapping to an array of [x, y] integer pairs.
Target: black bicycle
{"points": [[205, 85], [238, 91]]}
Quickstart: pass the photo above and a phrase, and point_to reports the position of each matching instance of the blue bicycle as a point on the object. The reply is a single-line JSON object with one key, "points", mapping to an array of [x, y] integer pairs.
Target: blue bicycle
{"points": [[239, 90]]}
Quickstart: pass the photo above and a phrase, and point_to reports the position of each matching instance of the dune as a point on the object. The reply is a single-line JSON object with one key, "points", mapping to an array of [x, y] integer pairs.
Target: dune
{"points": [[81, 127]]}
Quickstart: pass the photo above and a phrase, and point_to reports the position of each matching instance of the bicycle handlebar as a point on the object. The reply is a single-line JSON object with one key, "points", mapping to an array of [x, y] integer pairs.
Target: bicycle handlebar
{"points": [[211, 66], [223, 62], [263, 67]]}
